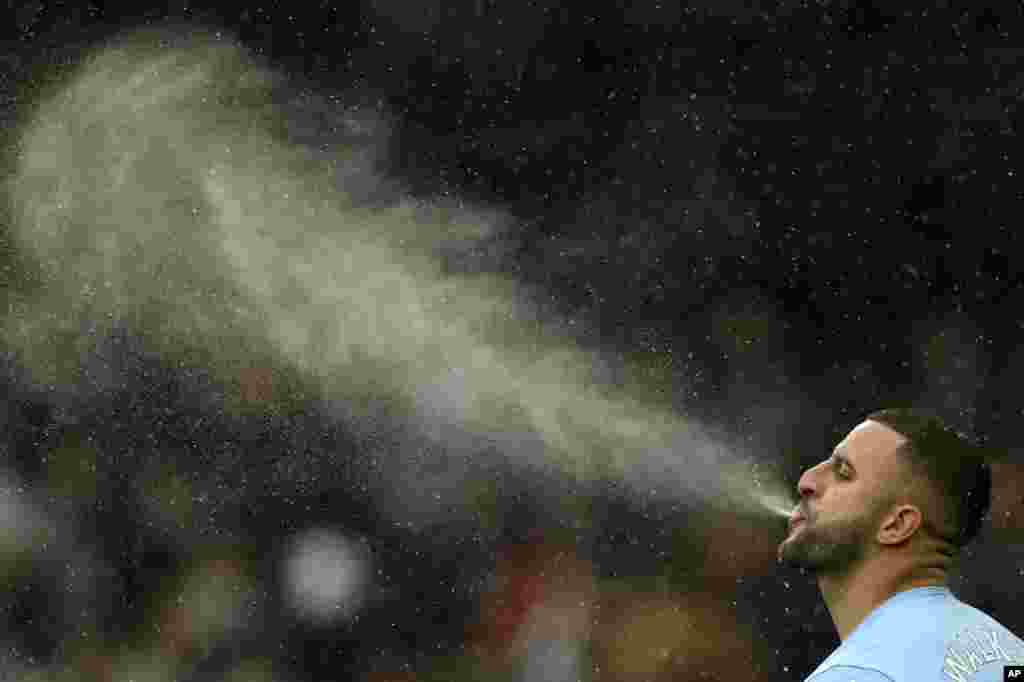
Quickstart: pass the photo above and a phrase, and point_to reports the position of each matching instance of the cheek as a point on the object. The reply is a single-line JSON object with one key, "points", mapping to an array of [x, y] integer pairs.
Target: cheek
{"points": [[847, 500]]}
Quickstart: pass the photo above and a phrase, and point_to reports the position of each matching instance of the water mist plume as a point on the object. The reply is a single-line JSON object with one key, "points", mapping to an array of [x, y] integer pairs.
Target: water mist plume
{"points": [[157, 189]]}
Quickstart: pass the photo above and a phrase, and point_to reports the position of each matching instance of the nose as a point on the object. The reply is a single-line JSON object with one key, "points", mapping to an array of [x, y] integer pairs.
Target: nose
{"points": [[806, 486]]}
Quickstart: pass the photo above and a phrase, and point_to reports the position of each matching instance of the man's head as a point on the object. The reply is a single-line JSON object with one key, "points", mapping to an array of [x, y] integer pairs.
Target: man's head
{"points": [[901, 484]]}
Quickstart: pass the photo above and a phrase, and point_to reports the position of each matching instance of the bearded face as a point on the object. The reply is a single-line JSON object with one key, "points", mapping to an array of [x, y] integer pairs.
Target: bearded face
{"points": [[842, 501], [828, 545]]}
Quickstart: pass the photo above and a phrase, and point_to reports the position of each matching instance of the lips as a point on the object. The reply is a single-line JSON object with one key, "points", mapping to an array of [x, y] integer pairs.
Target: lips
{"points": [[794, 520]]}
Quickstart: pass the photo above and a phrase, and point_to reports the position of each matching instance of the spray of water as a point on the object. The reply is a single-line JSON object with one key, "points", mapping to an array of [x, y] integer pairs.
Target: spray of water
{"points": [[158, 188], [778, 506]]}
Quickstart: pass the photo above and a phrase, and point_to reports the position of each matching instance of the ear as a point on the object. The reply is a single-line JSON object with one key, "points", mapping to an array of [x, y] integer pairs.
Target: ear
{"points": [[899, 524]]}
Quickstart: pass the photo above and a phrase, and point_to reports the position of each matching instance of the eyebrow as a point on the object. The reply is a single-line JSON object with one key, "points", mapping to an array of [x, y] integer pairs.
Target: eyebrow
{"points": [[843, 459]]}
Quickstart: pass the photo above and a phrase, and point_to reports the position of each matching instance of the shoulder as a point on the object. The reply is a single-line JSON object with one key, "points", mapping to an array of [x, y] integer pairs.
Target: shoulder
{"points": [[849, 673]]}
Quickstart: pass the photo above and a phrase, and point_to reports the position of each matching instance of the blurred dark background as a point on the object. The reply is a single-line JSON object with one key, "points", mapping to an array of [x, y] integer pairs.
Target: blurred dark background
{"points": [[792, 213]]}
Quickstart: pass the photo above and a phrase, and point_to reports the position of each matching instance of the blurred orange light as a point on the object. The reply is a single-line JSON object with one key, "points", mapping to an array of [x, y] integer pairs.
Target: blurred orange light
{"points": [[257, 384]]}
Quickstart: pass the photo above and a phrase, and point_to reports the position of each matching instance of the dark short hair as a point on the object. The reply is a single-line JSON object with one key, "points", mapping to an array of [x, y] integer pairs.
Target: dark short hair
{"points": [[958, 469]]}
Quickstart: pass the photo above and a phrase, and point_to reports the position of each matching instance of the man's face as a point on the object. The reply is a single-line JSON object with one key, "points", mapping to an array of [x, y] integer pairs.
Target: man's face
{"points": [[840, 499]]}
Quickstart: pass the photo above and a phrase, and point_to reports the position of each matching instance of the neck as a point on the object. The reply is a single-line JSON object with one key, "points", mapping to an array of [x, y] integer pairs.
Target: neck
{"points": [[851, 597]]}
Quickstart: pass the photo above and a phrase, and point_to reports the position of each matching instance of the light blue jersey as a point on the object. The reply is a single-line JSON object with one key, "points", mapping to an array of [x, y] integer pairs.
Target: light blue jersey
{"points": [[923, 635]]}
